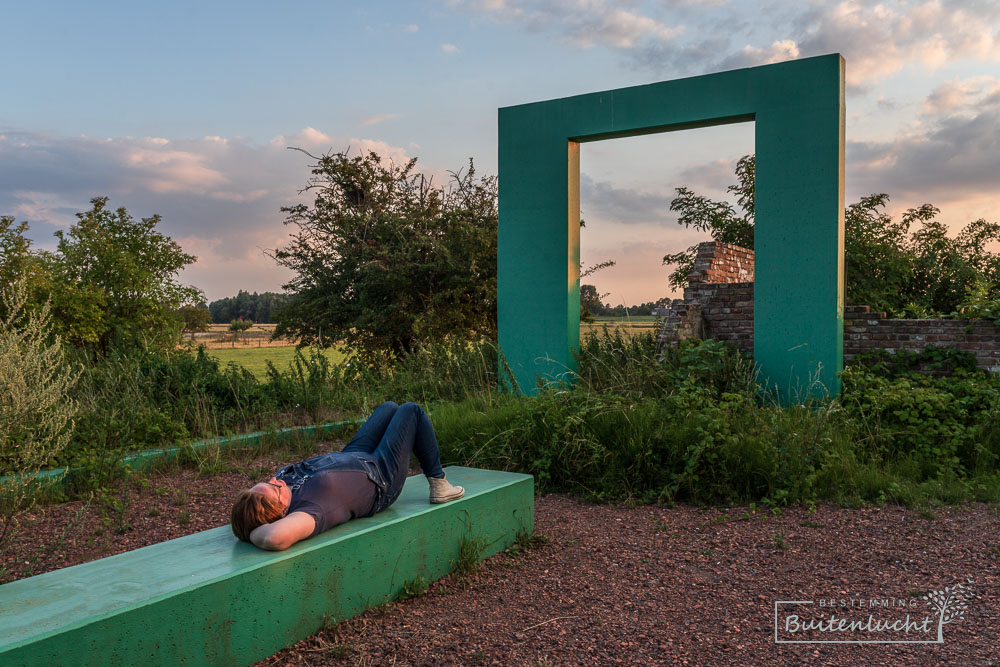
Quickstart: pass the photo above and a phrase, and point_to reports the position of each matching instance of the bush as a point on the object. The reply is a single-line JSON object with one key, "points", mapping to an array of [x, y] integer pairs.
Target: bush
{"points": [[695, 428], [632, 366], [943, 425], [36, 414]]}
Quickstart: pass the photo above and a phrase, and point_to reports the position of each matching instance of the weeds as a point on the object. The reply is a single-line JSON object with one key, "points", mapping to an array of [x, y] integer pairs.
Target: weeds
{"points": [[470, 552], [524, 541], [36, 411], [779, 541], [691, 427], [413, 588]]}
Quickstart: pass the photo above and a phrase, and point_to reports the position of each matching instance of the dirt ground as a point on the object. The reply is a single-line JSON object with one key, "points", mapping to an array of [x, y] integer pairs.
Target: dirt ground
{"points": [[609, 584]]}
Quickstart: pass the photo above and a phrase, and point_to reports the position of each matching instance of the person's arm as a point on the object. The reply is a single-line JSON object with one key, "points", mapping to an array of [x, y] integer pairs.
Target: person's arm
{"points": [[284, 532]]}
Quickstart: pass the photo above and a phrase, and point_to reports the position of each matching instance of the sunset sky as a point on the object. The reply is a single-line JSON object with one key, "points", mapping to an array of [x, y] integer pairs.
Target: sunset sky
{"points": [[188, 109]]}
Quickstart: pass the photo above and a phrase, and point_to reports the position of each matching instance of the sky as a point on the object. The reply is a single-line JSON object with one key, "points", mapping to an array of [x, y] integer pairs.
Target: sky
{"points": [[190, 109]]}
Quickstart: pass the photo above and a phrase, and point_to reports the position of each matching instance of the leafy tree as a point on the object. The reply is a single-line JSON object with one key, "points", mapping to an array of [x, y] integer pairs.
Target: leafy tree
{"points": [[194, 318], [257, 307], [18, 262], [385, 260], [590, 303], [719, 218], [240, 326], [116, 279], [924, 273]]}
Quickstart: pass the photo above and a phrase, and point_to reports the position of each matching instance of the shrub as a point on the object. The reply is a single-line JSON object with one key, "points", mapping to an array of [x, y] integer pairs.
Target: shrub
{"points": [[36, 415]]}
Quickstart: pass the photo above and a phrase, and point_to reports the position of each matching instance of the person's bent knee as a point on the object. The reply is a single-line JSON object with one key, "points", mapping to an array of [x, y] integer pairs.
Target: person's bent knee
{"points": [[388, 404], [411, 407]]}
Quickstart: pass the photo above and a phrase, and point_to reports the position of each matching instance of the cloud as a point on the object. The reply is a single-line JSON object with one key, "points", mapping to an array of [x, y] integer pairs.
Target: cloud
{"points": [[449, 48], [953, 96], [684, 37], [880, 39], [604, 201], [380, 118], [947, 160], [779, 51], [411, 28], [709, 178], [219, 197], [582, 23]]}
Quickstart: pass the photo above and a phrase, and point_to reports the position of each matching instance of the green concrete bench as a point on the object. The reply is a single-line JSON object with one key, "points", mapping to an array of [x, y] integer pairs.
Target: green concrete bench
{"points": [[209, 599]]}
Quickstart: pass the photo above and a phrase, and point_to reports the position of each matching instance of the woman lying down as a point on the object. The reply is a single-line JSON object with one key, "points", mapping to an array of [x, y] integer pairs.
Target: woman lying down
{"points": [[305, 498]]}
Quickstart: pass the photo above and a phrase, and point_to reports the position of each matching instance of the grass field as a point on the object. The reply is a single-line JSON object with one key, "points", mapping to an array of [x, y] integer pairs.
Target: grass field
{"points": [[255, 359], [626, 325]]}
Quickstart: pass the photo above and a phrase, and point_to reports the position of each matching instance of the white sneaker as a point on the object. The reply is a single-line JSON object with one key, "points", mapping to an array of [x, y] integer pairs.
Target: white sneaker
{"points": [[442, 490]]}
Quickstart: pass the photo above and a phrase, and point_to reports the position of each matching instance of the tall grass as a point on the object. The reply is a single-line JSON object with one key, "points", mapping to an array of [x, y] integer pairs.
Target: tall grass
{"points": [[636, 423], [135, 399], [695, 427]]}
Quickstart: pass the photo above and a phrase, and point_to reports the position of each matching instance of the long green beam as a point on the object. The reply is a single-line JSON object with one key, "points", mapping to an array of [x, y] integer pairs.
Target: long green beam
{"points": [[798, 110], [207, 599], [144, 460]]}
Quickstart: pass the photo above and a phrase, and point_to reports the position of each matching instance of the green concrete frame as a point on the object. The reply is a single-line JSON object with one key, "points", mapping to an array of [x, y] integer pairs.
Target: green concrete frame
{"points": [[798, 109]]}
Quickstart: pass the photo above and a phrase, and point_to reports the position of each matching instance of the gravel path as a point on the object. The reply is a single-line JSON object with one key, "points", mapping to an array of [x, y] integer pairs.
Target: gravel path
{"points": [[684, 586]]}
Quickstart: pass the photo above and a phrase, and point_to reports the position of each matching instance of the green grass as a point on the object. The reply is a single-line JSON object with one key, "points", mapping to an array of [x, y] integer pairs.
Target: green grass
{"points": [[255, 359]]}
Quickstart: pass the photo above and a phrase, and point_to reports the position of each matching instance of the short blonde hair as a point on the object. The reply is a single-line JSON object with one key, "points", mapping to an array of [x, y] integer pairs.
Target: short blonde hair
{"points": [[253, 509]]}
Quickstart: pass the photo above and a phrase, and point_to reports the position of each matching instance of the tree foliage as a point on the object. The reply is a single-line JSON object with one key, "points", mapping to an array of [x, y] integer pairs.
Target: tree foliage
{"points": [[111, 278], [194, 318], [385, 260], [592, 302], [250, 306], [919, 273]]}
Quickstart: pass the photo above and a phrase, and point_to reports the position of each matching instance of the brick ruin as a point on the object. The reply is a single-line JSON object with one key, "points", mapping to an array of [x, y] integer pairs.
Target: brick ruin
{"points": [[718, 304]]}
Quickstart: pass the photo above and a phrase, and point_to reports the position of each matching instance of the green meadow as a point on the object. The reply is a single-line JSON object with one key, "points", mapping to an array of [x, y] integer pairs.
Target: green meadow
{"points": [[255, 359]]}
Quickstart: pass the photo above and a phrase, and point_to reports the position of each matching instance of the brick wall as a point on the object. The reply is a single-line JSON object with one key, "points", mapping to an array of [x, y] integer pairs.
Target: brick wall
{"points": [[865, 330], [718, 299], [718, 303]]}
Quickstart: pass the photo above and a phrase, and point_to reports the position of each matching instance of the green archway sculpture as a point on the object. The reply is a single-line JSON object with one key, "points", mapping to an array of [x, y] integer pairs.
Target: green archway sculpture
{"points": [[798, 110]]}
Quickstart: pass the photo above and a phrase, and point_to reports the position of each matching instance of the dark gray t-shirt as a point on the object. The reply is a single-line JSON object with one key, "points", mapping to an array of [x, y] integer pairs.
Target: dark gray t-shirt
{"points": [[332, 488], [332, 497]]}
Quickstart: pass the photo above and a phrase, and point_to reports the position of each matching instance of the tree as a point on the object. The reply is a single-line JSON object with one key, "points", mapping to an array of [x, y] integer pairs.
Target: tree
{"points": [[240, 326], [924, 273], [590, 303], [257, 307], [720, 219], [117, 279], [385, 260], [194, 318], [18, 262]]}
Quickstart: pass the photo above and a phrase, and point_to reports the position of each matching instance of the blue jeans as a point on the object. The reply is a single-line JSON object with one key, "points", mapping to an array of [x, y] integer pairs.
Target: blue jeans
{"points": [[390, 435]]}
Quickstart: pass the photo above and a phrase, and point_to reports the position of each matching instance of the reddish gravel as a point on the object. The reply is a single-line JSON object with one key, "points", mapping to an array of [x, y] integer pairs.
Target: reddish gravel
{"points": [[683, 586], [153, 509], [613, 585]]}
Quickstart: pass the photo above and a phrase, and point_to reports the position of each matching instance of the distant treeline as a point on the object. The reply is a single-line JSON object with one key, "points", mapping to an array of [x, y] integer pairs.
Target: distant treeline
{"points": [[257, 307], [604, 310]]}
